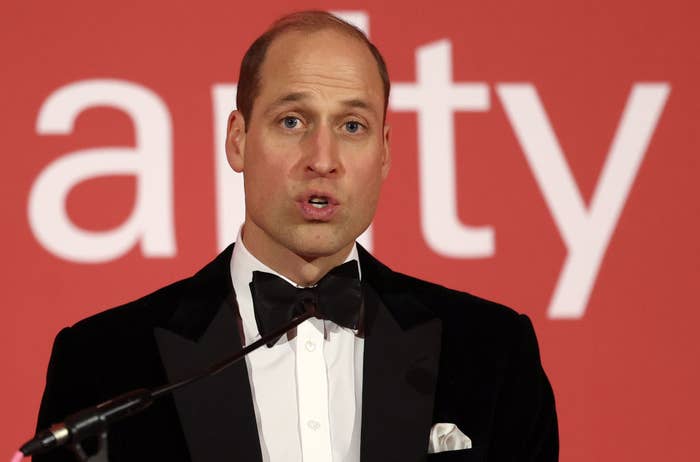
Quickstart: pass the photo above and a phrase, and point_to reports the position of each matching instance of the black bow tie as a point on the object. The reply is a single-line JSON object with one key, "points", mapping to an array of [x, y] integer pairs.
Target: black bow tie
{"points": [[337, 297]]}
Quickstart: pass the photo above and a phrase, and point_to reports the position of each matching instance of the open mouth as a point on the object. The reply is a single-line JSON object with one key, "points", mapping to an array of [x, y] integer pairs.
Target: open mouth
{"points": [[318, 206], [318, 202]]}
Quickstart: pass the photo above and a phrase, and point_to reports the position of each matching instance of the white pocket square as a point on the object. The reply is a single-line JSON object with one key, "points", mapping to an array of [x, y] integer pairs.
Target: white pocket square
{"points": [[447, 437]]}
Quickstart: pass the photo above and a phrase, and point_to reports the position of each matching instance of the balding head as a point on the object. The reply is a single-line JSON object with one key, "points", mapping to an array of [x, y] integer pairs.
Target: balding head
{"points": [[305, 21]]}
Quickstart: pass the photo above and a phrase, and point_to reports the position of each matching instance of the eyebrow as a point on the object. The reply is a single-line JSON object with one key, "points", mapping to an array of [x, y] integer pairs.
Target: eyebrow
{"points": [[301, 95]]}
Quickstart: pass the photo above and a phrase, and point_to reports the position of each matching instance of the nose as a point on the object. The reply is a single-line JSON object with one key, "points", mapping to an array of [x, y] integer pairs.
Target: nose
{"points": [[322, 152]]}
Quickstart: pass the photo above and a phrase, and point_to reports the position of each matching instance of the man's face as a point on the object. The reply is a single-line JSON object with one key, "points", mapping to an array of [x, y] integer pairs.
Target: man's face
{"points": [[316, 150]]}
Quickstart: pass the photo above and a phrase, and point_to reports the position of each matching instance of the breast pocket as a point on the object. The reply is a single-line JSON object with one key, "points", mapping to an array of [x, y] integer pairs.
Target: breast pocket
{"points": [[463, 455]]}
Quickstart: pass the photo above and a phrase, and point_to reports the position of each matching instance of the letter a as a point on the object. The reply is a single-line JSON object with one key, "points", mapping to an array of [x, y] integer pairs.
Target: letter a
{"points": [[151, 220]]}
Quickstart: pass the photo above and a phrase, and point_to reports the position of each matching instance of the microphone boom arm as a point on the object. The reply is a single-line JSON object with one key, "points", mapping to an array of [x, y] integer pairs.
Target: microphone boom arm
{"points": [[95, 420]]}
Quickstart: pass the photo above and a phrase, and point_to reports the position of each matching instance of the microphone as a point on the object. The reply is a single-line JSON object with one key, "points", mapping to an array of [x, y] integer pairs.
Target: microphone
{"points": [[95, 420], [88, 422]]}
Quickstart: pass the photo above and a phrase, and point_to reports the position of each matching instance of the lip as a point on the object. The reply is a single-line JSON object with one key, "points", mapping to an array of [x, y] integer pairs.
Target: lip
{"points": [[311, 213]]}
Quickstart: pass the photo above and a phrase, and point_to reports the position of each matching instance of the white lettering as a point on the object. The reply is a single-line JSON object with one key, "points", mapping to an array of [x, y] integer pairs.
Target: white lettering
{"points": [[151, 220], [357, 18], [435, 97], [586, 232]]}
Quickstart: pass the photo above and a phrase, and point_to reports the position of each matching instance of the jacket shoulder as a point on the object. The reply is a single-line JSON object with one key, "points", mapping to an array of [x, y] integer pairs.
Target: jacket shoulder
{"points": [[148, 311], [158, 308], [446, 303], [455, 305], [469, 322]]}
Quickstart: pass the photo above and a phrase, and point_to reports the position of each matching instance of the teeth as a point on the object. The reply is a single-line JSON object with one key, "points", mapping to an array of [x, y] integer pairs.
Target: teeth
{"points": [[318, 202]]}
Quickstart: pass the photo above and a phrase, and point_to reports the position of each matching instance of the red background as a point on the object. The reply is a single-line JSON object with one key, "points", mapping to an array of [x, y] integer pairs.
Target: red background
{"points": [[625, 374]]}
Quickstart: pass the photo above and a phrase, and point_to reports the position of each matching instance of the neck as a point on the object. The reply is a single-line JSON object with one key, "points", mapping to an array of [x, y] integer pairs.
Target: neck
{"points": [[303, 270]]}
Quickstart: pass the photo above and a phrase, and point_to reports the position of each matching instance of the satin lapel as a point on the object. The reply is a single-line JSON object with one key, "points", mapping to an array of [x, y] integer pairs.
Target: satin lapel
{"points": [[216, 413], [399, 376]]}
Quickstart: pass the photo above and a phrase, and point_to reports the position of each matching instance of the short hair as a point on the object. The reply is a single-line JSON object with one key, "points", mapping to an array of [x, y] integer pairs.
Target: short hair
{"points": [[306, 21]]}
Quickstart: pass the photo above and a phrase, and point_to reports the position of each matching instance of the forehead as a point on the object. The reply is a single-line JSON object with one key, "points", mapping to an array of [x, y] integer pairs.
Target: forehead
{"points": [[326, 64]]}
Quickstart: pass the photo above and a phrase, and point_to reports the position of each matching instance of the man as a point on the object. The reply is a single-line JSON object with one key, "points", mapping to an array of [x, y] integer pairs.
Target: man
{"points": [[417, 369]]}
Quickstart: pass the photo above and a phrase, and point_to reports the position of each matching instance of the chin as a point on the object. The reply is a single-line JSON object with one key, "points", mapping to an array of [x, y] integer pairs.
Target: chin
{"points": [[318, 250], [324, 244]]}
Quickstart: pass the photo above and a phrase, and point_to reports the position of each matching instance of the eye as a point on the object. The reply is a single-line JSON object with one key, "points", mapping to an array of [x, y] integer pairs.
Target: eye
{"points": [[353, 126], [291, 122]]}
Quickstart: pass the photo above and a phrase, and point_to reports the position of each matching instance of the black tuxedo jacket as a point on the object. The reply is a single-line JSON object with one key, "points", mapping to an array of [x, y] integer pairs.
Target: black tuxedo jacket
{"points": [[431, 355]]}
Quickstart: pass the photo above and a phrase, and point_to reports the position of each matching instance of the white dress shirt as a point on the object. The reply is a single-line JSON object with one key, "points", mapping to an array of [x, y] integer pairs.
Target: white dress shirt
{"points": [[307, 390]]}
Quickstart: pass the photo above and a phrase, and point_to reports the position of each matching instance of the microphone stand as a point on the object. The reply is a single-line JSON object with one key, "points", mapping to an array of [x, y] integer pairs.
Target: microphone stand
{"points": [[94, 421]]}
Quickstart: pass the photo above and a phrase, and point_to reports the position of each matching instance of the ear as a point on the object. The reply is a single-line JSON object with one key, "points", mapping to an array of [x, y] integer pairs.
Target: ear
{"points": [[386, 157], [235, 141]]}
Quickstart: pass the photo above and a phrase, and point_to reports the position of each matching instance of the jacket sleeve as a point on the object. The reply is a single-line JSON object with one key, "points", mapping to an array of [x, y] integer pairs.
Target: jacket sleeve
{"points": [[526, 414], [67, 389]]}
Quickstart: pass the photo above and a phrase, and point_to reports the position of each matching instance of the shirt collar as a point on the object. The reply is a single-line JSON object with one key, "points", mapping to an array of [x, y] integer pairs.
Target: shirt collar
{"points": [[243, 263]]}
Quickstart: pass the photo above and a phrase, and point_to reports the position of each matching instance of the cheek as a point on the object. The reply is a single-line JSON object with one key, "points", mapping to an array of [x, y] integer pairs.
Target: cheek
{"points": [[372, 175], [268, 198], [265, 170], [264, 186], [367, 185]]}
